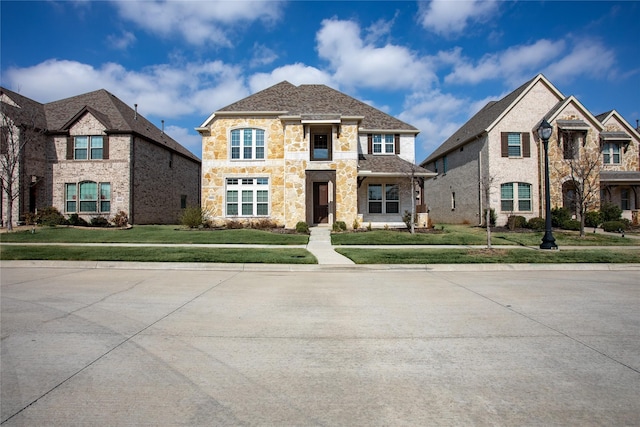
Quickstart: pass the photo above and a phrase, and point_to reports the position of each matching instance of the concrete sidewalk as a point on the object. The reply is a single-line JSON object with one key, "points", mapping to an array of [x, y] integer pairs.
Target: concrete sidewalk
{"points": [[320, 246]]}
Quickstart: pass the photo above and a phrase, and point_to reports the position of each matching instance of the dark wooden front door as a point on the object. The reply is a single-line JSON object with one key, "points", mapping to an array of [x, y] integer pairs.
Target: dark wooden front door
{"points": [[320, 202]]}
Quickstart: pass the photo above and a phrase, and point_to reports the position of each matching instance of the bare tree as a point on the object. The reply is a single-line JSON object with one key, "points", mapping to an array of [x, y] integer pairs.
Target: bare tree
{"points": [[18, 129], [583, 172], [486, 185]]}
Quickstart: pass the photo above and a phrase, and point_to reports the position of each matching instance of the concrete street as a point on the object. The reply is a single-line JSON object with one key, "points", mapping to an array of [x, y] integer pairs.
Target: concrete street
{"points": [[360, 347]]}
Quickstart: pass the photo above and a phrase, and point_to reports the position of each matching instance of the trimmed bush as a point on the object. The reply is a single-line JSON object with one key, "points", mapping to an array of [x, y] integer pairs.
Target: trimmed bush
{"points": [[614, 226], [50, 216], [537, 224], [99, 221], [516, 221], [192, 217], [75, 219], [559, 216], [264, 224], [571, 224], [339, 226], [610, 212], [592, 219], [120, 219], [234, 225], [302, 227]]}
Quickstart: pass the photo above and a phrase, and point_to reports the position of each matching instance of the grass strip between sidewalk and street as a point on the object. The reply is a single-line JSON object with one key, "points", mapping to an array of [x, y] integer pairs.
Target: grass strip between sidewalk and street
{"points": [[157, 254], [488, 256]]}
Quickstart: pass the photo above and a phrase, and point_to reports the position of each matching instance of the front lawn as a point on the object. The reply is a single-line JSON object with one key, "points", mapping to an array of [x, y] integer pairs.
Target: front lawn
{"points": [[467, 235], [152, 234], [478, 256]]}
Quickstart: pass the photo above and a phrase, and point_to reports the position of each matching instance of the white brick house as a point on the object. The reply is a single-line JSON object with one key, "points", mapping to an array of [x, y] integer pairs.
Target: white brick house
{"points": [[95, 156], [498, 149]]}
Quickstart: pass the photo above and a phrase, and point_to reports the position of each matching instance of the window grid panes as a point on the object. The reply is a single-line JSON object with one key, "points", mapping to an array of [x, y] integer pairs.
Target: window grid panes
{"points": [[524, 197], [383, 143], [384, 198], [247, 197], [70, 197], [247, 144], [611, 153], [514, 145], [88, 147], [508, 200], [93, 197], [506, 197]]}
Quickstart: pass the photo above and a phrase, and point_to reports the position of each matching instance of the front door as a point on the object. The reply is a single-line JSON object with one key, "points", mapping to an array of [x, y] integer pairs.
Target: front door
{"points": [[320, 202]]}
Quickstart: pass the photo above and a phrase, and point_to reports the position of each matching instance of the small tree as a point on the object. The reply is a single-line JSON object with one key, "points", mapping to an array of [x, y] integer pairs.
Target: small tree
{"points": [[486, 184]]}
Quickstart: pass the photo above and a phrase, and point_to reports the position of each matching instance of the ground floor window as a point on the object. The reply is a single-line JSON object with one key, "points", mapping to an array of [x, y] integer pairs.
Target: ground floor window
{"points": [[515, 194], [88, 197], [247, 197], [625, 199], [384, 198]]}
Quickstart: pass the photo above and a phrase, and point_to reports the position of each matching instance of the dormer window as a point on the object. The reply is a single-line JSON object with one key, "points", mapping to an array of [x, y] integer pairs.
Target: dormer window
{"points": [[247, 144], [611, 153]]}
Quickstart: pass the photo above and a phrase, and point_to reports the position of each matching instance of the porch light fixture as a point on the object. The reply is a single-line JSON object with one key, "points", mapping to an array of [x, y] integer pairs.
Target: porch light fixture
{"points": [[544, 133]]}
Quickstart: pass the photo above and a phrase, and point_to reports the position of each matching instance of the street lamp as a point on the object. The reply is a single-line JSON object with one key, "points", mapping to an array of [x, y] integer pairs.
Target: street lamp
{"points": [[544, 133]]}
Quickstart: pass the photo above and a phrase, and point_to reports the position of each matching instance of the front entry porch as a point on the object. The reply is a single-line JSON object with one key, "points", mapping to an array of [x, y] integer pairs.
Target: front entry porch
{"points": [[321, 194]]}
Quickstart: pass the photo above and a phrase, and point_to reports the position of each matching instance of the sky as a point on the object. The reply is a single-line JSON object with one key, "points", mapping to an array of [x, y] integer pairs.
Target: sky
{"points": [[432, 64]]}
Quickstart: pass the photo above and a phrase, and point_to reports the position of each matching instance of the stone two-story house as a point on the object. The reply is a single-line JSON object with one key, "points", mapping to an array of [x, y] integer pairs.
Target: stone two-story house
{"points": [[93, 155], [496, 160], [308, 153]]}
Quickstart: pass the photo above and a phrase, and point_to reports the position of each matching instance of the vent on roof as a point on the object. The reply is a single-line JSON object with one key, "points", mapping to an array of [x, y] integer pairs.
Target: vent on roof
{"points": [[163, 127], [135, 113]]}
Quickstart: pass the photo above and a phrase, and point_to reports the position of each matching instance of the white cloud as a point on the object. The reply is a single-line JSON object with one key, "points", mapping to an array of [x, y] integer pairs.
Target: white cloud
{"points": [[588, 58], [446, 17], [356, 63], [296, 74], [165, 91], [262, 55], [198, 22], [121, 41]]}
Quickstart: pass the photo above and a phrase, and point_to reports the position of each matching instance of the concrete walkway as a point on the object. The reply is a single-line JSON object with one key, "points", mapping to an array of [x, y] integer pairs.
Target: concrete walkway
{"points": [[320, 246]]}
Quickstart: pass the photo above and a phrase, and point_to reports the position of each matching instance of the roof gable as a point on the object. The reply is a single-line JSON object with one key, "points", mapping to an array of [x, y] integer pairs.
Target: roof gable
{"points": [[613, 115], [489, 116], [313, 101], [560, 107]]}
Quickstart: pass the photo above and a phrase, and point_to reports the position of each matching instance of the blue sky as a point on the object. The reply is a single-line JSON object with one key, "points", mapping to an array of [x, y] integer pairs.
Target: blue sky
{"points": [[432, 64]]}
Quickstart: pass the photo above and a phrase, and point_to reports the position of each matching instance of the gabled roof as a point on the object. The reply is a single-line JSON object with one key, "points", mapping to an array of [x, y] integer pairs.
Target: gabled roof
{"points": [[389, 165], [568, 124], [605, 117], [16, 105], [115, 115], [286, 99], [485, 119]]}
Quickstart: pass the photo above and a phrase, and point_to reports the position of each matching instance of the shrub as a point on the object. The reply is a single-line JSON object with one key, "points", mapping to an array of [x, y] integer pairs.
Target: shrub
{"points": [[559, 216], [75, 219], [339, 226], [120, 219], [516, 221], [99, 221], [356, 224], [592, 219], [571, 224], [192, 217], [614, 226], [50, 216], [264, 224], [233, 224], [302, 227], [492, 217], [406, 218], [610, 212], [537, 224]]}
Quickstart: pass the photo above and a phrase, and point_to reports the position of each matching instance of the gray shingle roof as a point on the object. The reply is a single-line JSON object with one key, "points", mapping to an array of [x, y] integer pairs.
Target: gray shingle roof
{"points": [[117, 116], [630, 177], [313, 101], [389, 164], [30, 110], [478, 124]]}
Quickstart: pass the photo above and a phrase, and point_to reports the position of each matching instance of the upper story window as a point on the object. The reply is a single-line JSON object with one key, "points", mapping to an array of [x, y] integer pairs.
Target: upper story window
{"points": [[571, 141], [321, 144], [247, 144], [611, 153], [515, 144], [88, 147], [382, 143], [445, 165]]}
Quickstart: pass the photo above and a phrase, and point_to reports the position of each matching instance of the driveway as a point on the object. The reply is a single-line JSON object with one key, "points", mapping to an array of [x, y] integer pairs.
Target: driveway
{"points": [[87, 346]]}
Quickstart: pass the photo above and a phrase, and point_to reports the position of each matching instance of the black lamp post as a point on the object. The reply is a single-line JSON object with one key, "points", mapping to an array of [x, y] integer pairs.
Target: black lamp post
{"points": [[544, 132]]}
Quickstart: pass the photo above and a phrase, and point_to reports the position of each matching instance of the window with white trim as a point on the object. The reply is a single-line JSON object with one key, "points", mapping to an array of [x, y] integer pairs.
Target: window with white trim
{"points": [[611, 153], [88, 147], [514, 144], [515, 194], [247, 197], [383, 143], [247, 144], [384, 198], [87, 197]]}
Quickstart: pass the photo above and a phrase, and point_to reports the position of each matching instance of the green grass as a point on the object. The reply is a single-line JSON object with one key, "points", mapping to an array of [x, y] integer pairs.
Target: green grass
{"points": [[467, 235], [476, 256], [157, 254], [152, 234]]}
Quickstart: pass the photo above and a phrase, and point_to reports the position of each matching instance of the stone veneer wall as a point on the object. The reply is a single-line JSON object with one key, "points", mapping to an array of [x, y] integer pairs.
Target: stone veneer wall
{"points": [[287, 148]]}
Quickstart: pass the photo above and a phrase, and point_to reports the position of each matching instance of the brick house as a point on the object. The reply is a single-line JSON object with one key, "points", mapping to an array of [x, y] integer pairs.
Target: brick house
{"points": [[93, 155], [498, 150], [308, 153]]}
